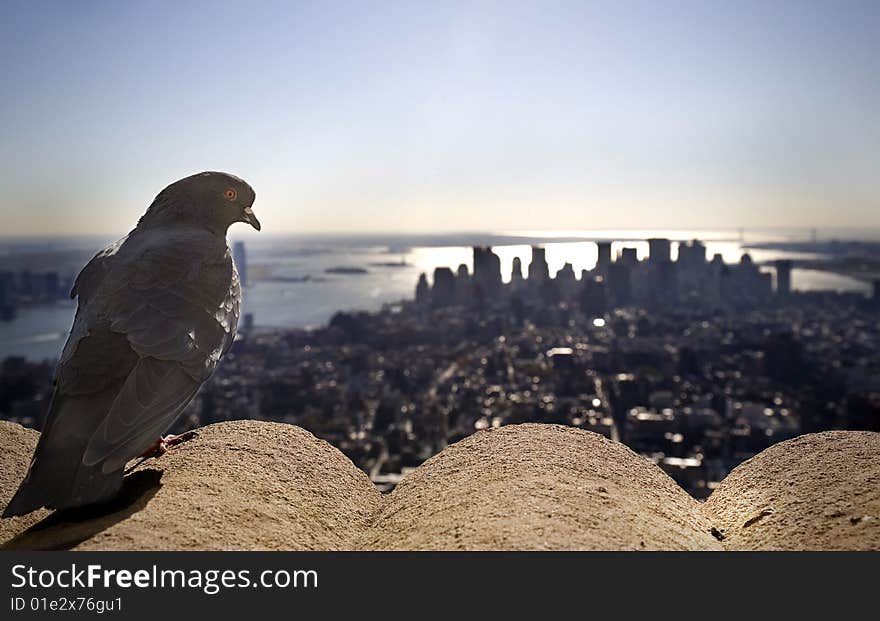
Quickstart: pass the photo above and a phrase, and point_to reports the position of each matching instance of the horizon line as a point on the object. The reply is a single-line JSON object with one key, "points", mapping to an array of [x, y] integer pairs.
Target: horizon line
{"points": [[524, 232]]}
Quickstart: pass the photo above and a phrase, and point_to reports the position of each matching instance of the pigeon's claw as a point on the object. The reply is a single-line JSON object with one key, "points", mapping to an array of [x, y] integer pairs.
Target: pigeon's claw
{"points": [[172, 441], [163, 445]]}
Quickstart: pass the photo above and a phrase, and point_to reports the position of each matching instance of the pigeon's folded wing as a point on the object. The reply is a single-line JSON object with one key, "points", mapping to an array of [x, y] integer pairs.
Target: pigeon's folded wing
{"points": [[153, 396], [178, 312], [177, 302]]}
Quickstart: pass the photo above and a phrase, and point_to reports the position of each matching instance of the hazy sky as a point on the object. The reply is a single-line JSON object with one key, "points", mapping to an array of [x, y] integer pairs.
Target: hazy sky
{"points": [[444, 116]]}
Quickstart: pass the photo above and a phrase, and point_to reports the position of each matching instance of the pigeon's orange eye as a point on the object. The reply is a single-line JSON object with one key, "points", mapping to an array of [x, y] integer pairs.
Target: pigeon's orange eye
{"points": [[231, 194]]}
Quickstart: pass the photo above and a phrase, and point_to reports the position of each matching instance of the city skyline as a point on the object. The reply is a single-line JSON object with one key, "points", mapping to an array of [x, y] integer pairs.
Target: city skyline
{"points": [[416, 118], [695, 363]]}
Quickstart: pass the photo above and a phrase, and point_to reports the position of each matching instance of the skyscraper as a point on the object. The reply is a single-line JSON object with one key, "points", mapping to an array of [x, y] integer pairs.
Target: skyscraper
{"points": [[516, 275], [443, 292], [692, 254], [240, 258], [692, 271], [464, 287], [487, 269], [659, 250], [423, 292], [565, 278], [628, 256], [604, 258], [7, 295], [538, 268], [783, 277]]}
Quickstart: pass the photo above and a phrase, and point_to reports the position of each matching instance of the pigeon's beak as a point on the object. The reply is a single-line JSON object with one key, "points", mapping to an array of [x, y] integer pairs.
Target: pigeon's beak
{"points": [[250, 218]]}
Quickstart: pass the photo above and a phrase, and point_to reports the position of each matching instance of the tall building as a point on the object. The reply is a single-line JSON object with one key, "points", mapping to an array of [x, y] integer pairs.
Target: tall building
{"points": [[487, 269], [743, 283], [692, 271], [628, 256], [8, 300], [538, 268], [493, 261], [659, 250], [712, 291], [692, 254], [423, 292], [463, 285], [479, 262], [604, 258], [443, 292], [783, 277], [240, 258], [566, 280], [516, 275]]}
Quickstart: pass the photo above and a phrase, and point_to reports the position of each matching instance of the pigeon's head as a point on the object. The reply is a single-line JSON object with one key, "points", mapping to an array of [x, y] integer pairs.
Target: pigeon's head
{"points": [[215, 200]]}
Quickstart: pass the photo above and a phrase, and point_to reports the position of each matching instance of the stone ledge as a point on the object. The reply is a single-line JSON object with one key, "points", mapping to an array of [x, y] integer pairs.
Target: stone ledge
{"points": [[820, 491], [249, 485], [544, 487], [241, 485]]}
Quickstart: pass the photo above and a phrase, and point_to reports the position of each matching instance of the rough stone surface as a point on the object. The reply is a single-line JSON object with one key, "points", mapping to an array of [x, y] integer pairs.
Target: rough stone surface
{"points": [[816, 492], [539, 487], [270, 486], [242, 485], [17, 445]]}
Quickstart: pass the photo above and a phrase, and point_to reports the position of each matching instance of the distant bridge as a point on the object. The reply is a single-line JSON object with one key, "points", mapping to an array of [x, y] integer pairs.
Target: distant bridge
{"points": [[866, 270]]}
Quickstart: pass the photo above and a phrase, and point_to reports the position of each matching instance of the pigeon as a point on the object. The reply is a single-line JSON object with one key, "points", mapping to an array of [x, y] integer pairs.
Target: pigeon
{"points": [[156, 312]]}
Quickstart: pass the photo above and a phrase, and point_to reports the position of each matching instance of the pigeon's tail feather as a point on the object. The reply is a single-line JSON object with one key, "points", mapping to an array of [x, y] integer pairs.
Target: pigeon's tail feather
{"points": [[22, 503], [38, 489], [56, 478]]}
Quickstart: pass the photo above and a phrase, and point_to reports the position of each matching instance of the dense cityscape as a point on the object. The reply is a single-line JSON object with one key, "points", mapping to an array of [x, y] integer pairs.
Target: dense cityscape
{"points": [[28, 288], [693, 363]]}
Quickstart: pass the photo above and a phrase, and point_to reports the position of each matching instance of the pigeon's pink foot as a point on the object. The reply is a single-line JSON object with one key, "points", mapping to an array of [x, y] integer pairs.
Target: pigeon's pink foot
{"points": [[162, 445]]}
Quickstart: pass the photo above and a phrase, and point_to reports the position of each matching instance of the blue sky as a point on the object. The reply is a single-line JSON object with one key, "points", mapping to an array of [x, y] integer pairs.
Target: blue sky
{"points": [[445, 116]]}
